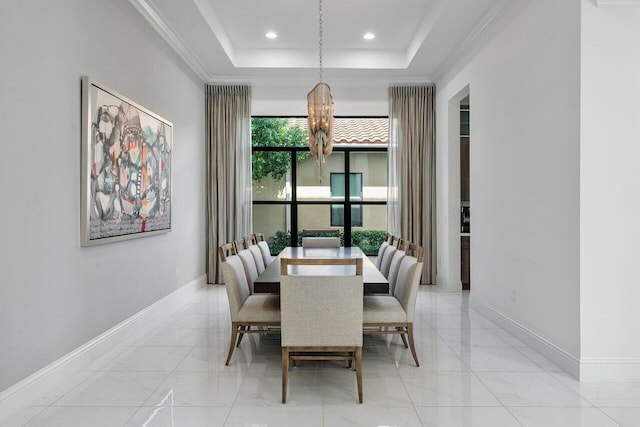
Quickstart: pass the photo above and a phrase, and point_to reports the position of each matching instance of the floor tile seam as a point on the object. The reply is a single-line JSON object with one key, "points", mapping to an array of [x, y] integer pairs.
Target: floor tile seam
{"points": [[449, 405], [72, 389], [419, 418], [513, 415], [108, 405], [487, 388], [577, 392], [33, 417], [237, 393], [133, 413], [492, 331], [364, 404], [530, 359], [509, 371], [548, 374], [105, 405], [162, 382], [326, 407], [608, 416], [201, 327], [452, 350], [167, 346], [179, 405], [145, 406], [573, 407], [406, 390], [556, 406], [163, 345], [460, 406], [142, 371]]}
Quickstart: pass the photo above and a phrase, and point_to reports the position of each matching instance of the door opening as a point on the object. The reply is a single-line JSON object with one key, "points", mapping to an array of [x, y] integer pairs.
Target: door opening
{"points": [[465, 208]]}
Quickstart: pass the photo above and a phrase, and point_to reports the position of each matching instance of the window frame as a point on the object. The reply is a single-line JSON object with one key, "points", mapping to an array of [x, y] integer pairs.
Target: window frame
{"points": [[294, 203], [341, 205]]}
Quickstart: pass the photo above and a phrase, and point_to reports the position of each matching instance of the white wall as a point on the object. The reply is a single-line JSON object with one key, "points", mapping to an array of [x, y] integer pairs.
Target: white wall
{"points": [[292, 100], [609, 189], [524, 176], [55, 295]]}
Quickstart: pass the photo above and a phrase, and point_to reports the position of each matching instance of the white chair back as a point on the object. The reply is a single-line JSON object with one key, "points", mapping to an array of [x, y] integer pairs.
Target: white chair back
{"points": [[387, 257], [383, 247], [319, 311], [394, 268], [406, 290], [249, 263], [257, 258], [266, 252], [320, 242], [236, 283]]}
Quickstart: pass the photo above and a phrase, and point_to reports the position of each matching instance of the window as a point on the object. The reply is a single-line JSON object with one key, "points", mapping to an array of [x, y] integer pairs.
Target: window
{"points": [[355, 194], [289, 197]]}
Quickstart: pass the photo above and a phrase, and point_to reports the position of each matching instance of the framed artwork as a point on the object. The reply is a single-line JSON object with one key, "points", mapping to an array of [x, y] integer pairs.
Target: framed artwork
{"points": [[126, 168]]}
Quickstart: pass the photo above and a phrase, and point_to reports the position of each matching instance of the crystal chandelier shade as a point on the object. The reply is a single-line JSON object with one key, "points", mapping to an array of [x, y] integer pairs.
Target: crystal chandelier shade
{"points": [[320, 110]]}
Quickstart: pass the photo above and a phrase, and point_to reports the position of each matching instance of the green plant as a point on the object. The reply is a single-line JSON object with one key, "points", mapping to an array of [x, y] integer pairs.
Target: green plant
{"points": [[367, 240], [281, 240], [275, 132]]}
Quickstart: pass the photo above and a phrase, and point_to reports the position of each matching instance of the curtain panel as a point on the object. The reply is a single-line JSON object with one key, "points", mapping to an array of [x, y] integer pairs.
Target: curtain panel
{"points": [[229, 210], [411, 208]]}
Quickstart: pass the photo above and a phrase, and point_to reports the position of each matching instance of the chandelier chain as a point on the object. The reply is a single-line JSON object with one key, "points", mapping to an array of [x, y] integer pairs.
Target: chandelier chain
{"points": [[320, 36]]}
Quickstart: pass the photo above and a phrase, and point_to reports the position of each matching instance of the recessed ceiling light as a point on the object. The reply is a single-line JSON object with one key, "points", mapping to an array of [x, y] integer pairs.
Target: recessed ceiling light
{"points": [[369, 36], [271, 35]]}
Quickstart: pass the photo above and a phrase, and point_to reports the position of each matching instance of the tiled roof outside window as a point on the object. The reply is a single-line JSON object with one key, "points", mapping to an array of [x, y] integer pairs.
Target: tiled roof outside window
{"points": [[355, 130]]}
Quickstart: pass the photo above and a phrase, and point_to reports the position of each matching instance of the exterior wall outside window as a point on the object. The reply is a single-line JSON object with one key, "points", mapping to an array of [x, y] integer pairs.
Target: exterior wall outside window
{"points": [[313, 198]]}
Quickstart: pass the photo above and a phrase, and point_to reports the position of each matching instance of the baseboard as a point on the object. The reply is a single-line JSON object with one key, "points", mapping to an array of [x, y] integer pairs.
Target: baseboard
{"points": [[609, 369], [29, 389], [565, 360], [617, 3]]}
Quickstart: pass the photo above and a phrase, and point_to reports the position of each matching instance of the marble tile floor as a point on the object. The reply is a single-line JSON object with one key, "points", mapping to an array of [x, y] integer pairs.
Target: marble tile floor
{"points": [[472, 373]]}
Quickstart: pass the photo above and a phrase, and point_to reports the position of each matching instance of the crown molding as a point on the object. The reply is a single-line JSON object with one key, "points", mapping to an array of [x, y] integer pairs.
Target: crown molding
{"points": [[310, 81], [472, 38], [158, 22], [617, 3]]}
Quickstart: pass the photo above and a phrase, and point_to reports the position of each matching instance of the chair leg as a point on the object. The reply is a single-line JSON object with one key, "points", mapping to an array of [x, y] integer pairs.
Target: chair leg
{"points": [[242, 328], [404, 339], [412, 343], [359, 372], [285, 373], [234, 334]]}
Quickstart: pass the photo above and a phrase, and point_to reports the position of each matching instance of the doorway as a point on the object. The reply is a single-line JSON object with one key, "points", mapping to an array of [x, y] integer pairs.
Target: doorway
{"points": [[465, 199]]}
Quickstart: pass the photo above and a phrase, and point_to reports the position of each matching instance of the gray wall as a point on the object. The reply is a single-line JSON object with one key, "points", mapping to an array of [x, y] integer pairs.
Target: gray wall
{"points": [[524, 90], [609, 203], [55, 295]]}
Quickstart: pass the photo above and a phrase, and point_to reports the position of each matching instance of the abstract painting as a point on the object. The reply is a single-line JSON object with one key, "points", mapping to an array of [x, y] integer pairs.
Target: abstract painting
{"points": [[126, 168]]}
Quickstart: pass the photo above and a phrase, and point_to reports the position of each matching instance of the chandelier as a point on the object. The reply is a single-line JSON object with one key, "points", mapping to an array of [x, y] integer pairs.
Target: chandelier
{"points": [[320, 108]]}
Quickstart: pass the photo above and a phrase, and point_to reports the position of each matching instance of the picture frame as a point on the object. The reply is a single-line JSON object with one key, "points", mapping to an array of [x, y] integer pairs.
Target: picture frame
{"points": [[127, 165]]}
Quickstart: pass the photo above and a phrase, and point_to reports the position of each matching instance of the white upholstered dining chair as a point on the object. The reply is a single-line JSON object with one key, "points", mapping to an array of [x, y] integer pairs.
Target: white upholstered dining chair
{"points": [[394, 267], [264, 249], [387, 257], [249, 265], [320, 242], [246, 310], [257, 258], [321, 316], [383, 247], [393, 314]]}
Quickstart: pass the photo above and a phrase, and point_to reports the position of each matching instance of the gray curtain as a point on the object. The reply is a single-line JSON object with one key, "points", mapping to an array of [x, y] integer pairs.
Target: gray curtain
{"points": [[229, 210], [411, 209]]}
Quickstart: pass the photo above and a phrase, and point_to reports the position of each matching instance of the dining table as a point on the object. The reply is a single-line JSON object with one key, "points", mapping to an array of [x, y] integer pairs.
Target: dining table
{"points": [[374, 281]]}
